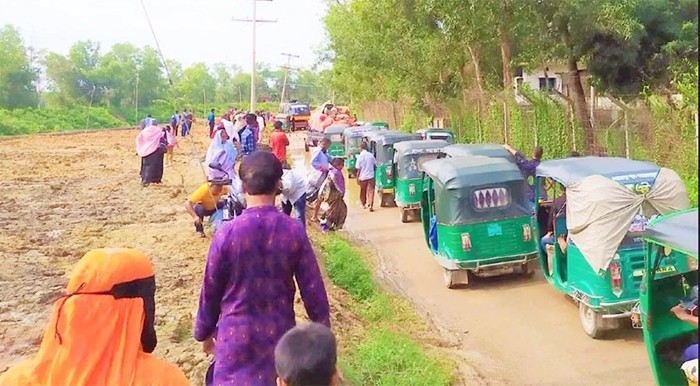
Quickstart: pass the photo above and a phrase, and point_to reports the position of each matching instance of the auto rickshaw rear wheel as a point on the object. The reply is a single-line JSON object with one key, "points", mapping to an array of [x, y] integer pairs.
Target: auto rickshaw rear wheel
{"points": [[448, 278], [454, 278], [404, 215], [525, 269], [591, 321], [385, 200]]}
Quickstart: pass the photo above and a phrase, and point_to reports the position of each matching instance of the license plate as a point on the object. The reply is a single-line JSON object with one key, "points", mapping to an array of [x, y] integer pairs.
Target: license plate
{"points": [[666, 269], [387, 190], [494, 230]]}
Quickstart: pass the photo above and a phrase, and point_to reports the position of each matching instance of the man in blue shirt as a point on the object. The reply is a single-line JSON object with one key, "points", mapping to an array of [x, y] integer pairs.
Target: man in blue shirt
{"points": [[210, 118], [321, 159], [247, 137], [528, 167], [175, 121], [146, 122]]}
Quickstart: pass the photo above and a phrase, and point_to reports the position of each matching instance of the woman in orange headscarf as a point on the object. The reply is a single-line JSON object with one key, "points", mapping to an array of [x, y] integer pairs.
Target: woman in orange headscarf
{"points": [[101, 332]]}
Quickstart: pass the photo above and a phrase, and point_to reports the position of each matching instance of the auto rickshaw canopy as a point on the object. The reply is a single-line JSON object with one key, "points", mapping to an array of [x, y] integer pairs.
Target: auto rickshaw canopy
{"points": [[336, 129], [485, 149], [407, 154], [607, 197], [476, 189], [440, 132], [678, 231], [379, 124], [387, 138]]}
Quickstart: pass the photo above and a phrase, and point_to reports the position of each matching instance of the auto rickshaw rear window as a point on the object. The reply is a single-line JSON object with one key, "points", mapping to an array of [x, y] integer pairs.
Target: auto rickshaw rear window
{"points": [[491, 198]]}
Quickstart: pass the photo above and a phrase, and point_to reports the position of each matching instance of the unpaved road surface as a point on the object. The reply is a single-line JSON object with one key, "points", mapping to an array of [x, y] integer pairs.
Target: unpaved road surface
{"points": [[511, 329], [61, 196]]}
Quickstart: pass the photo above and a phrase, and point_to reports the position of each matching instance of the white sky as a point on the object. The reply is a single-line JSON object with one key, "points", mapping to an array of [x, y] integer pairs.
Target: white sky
{"points": [[189, 31]]}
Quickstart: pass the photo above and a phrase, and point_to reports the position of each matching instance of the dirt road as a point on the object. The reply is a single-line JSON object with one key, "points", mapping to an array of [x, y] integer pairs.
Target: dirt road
{"points": [[512, 330]]}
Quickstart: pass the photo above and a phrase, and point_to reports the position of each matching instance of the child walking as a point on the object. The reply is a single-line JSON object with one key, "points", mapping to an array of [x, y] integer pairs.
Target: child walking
{"points": [[171, 137]]}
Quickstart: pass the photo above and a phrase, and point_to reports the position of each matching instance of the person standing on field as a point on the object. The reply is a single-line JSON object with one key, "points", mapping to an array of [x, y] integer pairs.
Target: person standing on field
{"points": [[279, 142], [175, 121], [365, 165], [210, 119]]}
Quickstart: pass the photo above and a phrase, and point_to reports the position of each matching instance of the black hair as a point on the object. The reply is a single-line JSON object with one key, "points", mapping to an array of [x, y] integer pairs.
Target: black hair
{"points": [[363, 145], [260, 173], [537, 153], [250, 118], [278, 125], [306, 355], [212, 110], [337, 161]]}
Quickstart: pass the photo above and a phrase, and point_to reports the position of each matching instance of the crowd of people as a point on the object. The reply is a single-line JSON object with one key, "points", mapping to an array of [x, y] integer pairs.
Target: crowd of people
{"points": [[245, 316]]}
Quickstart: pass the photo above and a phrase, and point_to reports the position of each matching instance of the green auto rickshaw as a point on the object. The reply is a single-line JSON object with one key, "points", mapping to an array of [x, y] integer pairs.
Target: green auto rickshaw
{"points": [[476, 218], [594, 250], [436, 133], [380, 124], [669, 274], [408, 185], [485, 149], [335, 134], [352, 136], [381, 144]]}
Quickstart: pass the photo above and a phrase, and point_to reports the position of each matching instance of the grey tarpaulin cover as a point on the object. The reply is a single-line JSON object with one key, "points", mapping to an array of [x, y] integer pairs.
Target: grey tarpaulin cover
{"points": [[599, 211]]}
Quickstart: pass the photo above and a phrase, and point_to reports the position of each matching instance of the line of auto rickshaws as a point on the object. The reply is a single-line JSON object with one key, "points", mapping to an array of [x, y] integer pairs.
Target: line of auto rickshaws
{"points": [[625, 242]]}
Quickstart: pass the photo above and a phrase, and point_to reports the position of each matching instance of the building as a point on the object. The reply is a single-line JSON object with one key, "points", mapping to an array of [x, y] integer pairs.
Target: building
{"points": [[553, 78]]}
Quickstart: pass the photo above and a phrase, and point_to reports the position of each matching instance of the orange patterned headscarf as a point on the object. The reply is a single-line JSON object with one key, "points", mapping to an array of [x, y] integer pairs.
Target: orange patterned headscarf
{"points": [[97, 332]]}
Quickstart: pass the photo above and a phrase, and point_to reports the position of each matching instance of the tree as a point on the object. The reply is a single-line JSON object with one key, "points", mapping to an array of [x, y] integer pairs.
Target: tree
{"points": [[197, 84], [667, 39], [17, 76], [569, 24]]}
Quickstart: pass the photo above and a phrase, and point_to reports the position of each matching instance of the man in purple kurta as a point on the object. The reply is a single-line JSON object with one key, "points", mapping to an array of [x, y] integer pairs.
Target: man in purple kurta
{"points": [[247, 298]]}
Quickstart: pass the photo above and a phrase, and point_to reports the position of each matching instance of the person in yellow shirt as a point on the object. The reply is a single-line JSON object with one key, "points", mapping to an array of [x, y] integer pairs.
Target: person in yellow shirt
{"points": [[204, 202]]}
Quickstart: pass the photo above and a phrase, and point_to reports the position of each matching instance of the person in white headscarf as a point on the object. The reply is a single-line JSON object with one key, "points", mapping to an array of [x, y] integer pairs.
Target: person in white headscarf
{"points": [[223, 152]]}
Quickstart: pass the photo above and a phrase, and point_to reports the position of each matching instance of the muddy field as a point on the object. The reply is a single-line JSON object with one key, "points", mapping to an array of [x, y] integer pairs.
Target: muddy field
{"points": [[65, 195]]}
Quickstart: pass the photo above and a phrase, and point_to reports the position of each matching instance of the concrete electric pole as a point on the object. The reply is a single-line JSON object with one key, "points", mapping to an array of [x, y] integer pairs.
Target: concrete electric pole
{"points": [[286, 71], [255, 21]]}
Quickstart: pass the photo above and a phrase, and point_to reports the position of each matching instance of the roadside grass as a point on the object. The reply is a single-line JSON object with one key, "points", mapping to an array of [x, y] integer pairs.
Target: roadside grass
{"points": [[395, 348]]}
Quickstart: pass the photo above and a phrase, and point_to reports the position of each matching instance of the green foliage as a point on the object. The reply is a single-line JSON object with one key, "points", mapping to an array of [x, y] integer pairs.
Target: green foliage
{"points": [[31, 120], [132, 82], [389, 358], [388, 355], [16, 73], [347, 270]]}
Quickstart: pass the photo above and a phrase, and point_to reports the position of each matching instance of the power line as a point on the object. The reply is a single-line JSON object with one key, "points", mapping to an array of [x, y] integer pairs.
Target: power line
{"points": [[255, 21], [160, 52]]}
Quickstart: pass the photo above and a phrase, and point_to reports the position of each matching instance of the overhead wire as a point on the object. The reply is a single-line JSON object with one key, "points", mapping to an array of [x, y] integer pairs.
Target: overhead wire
{"points": [[195, 152]]}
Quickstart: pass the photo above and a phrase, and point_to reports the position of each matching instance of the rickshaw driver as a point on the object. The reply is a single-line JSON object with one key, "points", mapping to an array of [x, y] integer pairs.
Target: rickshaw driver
{"points": [[687, 311], [558, 209]]}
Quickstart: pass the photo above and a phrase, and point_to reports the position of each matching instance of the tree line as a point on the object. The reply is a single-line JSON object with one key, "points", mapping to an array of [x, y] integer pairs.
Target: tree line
{"points": [[437, 52], [125, 79]]}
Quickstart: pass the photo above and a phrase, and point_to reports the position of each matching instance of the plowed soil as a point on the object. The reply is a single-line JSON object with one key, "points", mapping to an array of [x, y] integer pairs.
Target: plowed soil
{"points": [[63, 195]]}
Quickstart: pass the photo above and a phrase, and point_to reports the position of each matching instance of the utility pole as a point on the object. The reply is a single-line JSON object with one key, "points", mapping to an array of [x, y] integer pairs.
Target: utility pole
{"points": [[286, 71], [255, 21], [136, 101]]}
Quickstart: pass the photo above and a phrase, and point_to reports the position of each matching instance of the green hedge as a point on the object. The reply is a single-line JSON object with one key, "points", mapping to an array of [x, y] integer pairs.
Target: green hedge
{"points": [[31, 120]]}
